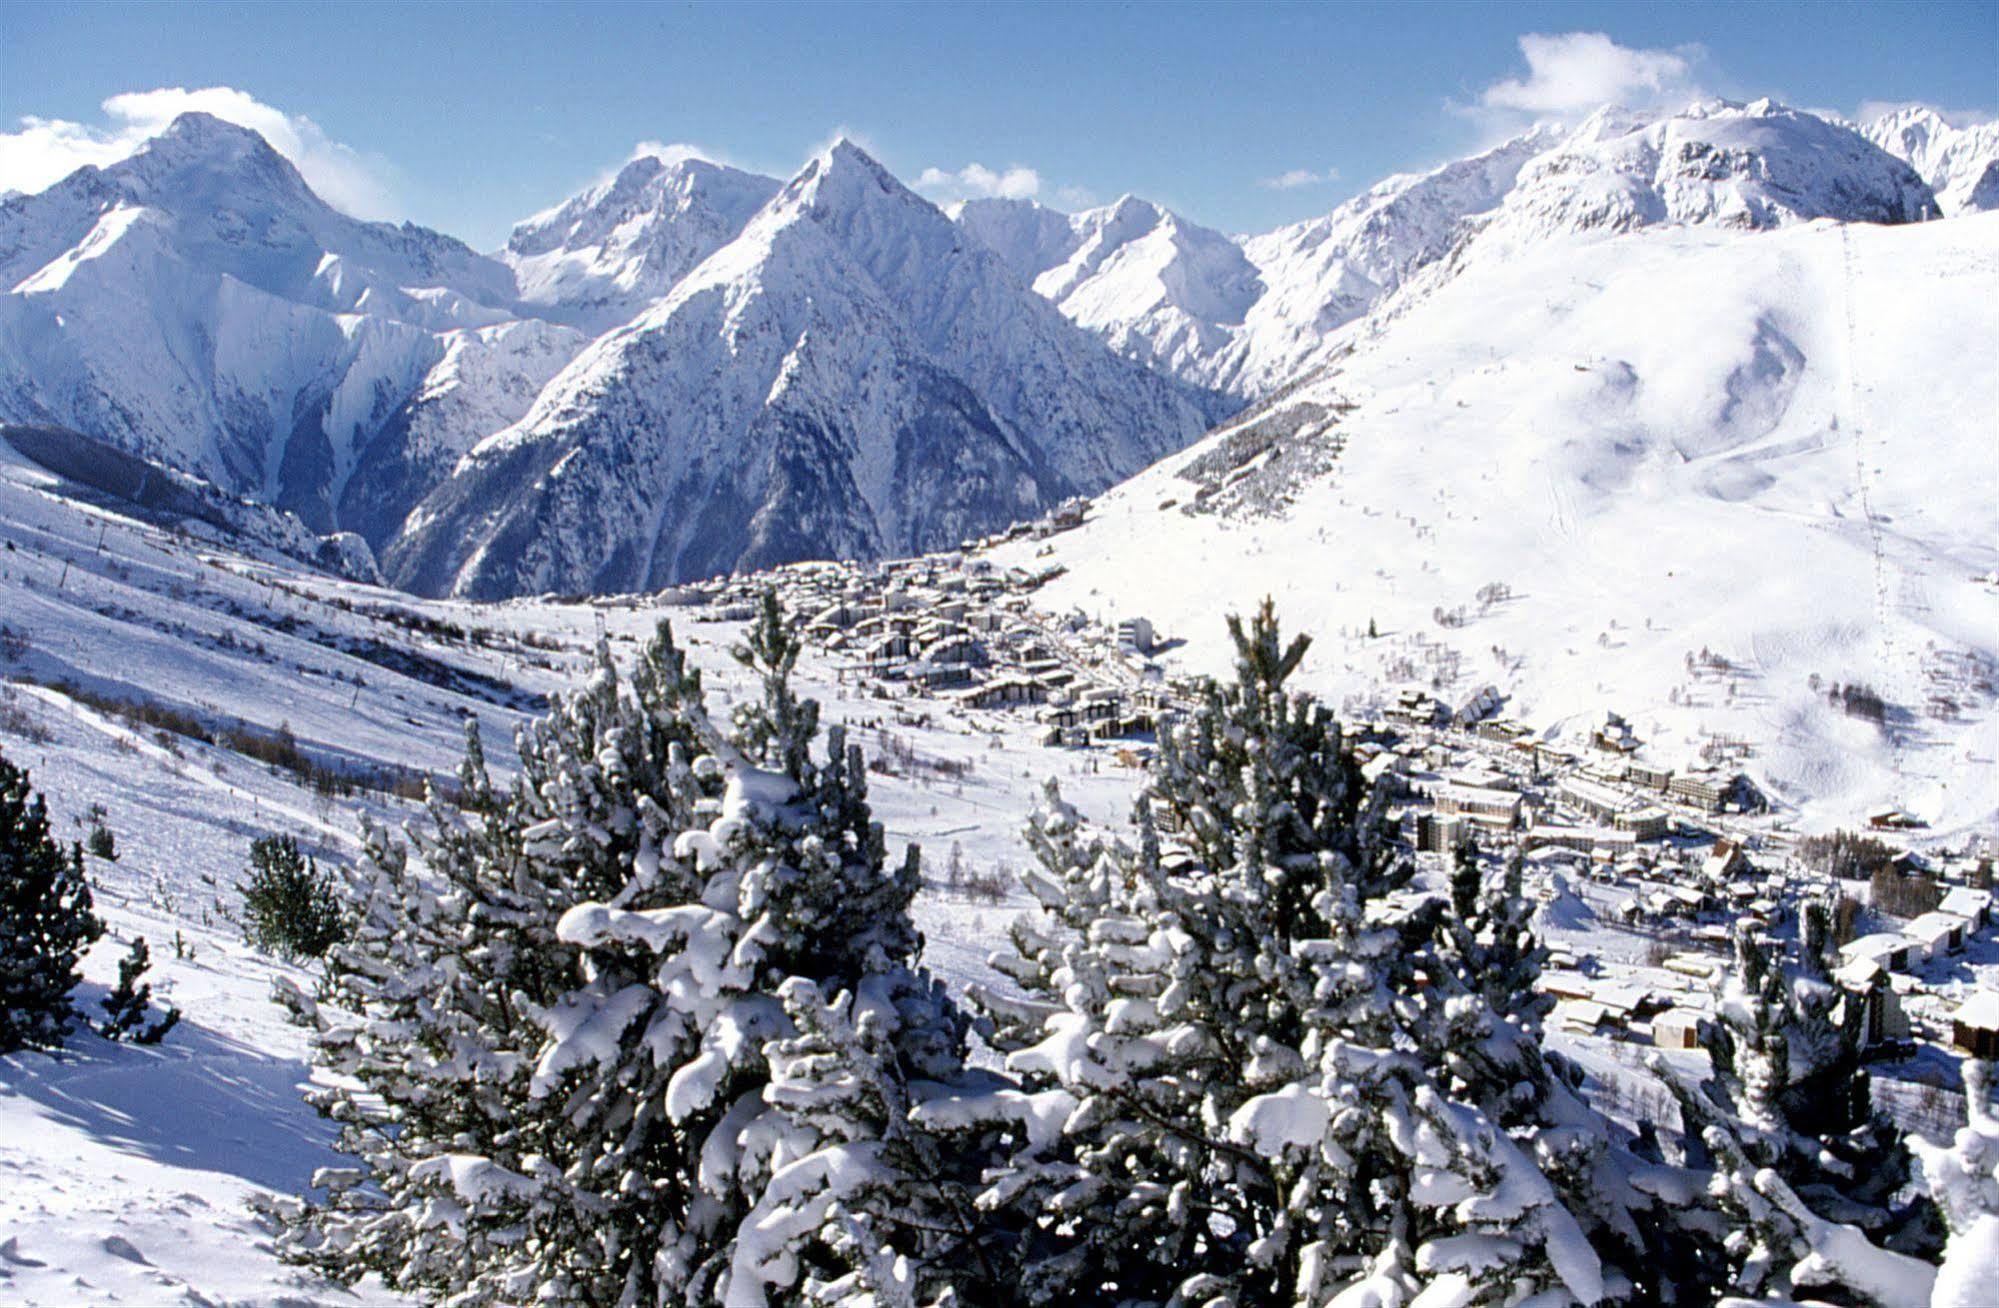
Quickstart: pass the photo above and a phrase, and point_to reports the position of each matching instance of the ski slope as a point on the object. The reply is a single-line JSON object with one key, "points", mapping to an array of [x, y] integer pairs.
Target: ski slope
{"points": [[1778, 448]]}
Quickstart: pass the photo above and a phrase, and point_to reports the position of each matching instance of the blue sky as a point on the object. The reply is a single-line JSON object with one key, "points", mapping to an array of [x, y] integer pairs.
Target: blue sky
{"points": [[467, 117]]}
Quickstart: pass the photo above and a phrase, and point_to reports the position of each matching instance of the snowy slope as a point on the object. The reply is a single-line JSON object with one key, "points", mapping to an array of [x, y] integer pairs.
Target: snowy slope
{"points": [[1328, 271], [1768, 446], [848, 377], [1961, 164], [600, 257], [132, 1173]]}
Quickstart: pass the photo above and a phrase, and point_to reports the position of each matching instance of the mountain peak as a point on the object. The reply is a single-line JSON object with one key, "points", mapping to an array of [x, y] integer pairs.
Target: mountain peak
{"points": [[201, 137], [197, 144], [845, 159]]}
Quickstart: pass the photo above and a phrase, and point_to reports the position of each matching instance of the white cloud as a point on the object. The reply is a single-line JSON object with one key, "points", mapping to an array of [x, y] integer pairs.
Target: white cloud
{"points": [[673, 152], [1297, 177], [975, 181], [45, 150], [1573, 73]]}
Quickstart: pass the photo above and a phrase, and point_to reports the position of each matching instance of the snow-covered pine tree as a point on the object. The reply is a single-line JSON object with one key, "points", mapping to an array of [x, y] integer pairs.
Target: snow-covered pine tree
{"points": [[466, 1184], [1480, 1035], [1809, 1173], [1253, 1120], [46, 919], [290, 907], [130, 1001], [1963, 1180], [760, 1041]]}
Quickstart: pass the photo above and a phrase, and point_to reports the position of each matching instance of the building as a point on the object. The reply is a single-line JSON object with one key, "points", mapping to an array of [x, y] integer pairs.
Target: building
{"points": [[1677, 1028], [1438, 834], [1647, 775], [1135, 635], [1414, 707], [1725, 861], [1939, 933], [1866, 983], [1643, 823], [1974, 1027], [1894, 951], [1499, 808], [1598, 801], [1704, 790], [1480, 705], [1974, 906]]}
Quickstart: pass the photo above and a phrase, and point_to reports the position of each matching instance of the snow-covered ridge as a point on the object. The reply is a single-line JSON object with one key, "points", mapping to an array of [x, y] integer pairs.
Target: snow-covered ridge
{"points": [[1252, 324], [1160, 289], [195, 304], [198, 305], [1961, 164], [600, 257]]}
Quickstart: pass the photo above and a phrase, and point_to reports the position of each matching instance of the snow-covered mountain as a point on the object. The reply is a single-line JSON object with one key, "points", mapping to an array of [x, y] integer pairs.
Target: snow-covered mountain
{"points": [[197, 304], [1961, 164], [848, 377], [829, 367], [1251, 324], [1568, 471], [1161, 290], [599, 258]]}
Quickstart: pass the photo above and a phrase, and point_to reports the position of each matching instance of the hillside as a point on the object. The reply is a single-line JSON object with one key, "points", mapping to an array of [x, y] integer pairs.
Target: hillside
{"points": [[1657, 444]]}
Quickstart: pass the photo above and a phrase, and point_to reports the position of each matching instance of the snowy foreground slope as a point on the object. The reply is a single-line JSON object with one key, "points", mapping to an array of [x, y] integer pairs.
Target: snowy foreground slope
{"points": [[130, 1171], [1777, 448]]}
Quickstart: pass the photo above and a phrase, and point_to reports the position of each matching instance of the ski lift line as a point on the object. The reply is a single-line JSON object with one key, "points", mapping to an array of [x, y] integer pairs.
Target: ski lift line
{"points": [[1883, 605]]}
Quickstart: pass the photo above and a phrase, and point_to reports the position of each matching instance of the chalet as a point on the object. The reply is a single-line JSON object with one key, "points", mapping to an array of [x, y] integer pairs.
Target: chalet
{"points": [[1974, 1027], [1894, 951], [1586, 1017], [1702, 967], [1503, 731], [1677, 1028], [1613, 735], [1894, 819], [1415, 708], [1725, 862], [1972, 905], [1865, 982], [1939, 933]]}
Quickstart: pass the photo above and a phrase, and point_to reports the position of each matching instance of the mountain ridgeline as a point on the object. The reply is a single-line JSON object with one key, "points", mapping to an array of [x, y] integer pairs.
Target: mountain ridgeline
{"points": [[690, 369]]}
